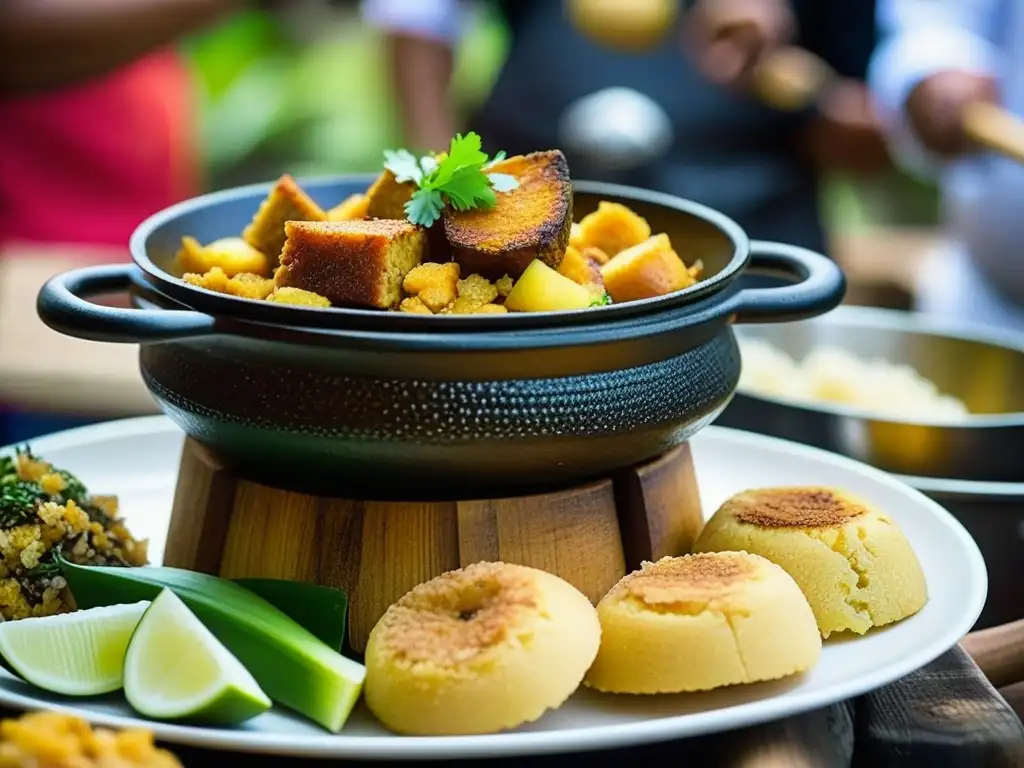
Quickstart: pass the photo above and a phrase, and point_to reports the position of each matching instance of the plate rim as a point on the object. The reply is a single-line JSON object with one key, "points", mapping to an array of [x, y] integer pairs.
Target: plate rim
{"points": [[568, 740]]}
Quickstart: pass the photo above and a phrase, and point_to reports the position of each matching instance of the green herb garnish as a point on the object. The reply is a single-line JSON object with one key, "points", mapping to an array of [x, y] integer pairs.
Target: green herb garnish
{"points": [[602, 301], [74, 490], [459, 179], [19, 501], [8, 470]]}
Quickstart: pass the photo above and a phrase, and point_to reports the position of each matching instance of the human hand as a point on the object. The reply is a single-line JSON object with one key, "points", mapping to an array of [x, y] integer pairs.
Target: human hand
{"points": [[936, 108], [846, 134], [729, 38]]}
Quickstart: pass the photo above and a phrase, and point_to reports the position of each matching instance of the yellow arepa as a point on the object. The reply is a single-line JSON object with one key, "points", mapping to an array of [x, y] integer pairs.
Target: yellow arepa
{"points": [[479, 650], [703, 621], [852, 561]]}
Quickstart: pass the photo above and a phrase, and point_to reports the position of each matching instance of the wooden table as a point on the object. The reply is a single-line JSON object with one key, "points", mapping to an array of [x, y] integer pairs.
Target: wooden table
{"points": [[47, 372]]}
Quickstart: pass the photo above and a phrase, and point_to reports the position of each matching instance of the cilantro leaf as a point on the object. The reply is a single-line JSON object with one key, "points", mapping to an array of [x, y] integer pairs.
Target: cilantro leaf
{"points": [[498, 157], [456, 178], [404, 165], [429, 164], [464, 153], [468, 189], [424, 207]]}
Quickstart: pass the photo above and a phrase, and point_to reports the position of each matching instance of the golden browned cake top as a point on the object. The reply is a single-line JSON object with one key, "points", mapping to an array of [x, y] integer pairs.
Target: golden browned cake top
{"points": [[678, 581], [387, 228], [794, 507], [459, 615], [532, 213]]}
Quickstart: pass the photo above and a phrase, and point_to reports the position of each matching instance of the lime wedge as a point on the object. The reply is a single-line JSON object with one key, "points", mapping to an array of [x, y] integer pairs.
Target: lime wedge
{"points": [[74, 654], [175, 669]]}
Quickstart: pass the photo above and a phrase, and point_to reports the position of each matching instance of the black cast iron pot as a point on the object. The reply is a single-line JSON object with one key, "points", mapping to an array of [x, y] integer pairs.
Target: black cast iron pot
{"points": [[368, 404]]}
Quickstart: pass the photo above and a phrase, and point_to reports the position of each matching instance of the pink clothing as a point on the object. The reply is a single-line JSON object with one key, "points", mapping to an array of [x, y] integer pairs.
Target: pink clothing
{"points": [[86, 164]]}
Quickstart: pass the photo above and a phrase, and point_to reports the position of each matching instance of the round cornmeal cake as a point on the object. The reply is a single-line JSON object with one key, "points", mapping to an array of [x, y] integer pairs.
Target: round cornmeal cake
{"points": [[702, 621], [478, 650], [852, 562]]}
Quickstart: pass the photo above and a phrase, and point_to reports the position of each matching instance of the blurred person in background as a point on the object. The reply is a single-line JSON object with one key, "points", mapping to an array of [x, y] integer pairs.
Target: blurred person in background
{"points": [[760, 166], [96, 129], [935, 59], [96, 116]]}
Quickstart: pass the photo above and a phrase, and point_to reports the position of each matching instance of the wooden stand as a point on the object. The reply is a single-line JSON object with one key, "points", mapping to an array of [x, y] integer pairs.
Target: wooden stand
{"points": [[590, 535]]}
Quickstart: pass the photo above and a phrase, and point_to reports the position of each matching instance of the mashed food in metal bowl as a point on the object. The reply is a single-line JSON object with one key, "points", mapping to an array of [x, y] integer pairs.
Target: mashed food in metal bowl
{"points": [[833, 375]]}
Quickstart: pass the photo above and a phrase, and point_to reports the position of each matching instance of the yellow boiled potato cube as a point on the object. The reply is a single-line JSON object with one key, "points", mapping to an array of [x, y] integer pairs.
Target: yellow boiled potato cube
{"points": [[542, 289], [231, 254]]}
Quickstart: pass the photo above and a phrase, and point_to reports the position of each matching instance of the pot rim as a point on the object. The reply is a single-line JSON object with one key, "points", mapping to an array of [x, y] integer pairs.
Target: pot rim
{"points": [[345, 317], [967, 489], [877, 318]]}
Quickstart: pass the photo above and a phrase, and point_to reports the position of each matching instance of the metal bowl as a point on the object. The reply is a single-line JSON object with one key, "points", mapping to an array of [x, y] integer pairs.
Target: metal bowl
{"points": [[993, 513], [982, 367]]}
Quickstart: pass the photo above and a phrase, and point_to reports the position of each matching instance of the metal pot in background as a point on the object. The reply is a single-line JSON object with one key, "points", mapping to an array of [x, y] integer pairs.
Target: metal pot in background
{"points": [[993, 513], [982, 367]]}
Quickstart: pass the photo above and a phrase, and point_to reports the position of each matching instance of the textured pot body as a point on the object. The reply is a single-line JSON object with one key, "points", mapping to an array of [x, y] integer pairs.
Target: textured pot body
{"points": [[331, 424]]}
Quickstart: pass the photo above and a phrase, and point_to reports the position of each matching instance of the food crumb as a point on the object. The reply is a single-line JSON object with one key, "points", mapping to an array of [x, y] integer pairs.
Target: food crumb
{"points": [[298, 297], [491, 309], [436, 285], [414, 305], [52, 740], [504, 286], [245, 285], [474, 292]]}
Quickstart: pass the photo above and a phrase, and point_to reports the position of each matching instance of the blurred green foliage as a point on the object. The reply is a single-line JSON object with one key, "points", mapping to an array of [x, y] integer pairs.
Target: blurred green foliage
{"points": [[270, 103]]}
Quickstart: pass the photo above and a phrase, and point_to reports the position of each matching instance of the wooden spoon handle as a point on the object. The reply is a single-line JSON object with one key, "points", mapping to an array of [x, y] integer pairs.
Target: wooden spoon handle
{"points": [[999, 652], [792, 78], [993, 127]]}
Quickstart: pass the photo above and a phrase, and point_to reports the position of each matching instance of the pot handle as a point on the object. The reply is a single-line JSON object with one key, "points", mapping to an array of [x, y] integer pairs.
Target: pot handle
{"points": [[820, 287], [62, 306]]}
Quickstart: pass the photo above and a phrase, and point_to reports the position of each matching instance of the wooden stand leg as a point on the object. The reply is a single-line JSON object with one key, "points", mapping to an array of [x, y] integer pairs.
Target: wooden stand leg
{"points": [[203, 501], [591, 536], [659, 508]]}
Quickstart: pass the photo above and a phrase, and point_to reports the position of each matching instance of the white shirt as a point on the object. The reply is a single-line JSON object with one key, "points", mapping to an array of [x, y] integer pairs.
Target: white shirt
{"points": [[983, 195], [440, 20]]}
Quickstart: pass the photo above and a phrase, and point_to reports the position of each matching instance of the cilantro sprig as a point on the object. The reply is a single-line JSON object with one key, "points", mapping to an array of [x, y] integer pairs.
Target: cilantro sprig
{"points": [[461, 178]]}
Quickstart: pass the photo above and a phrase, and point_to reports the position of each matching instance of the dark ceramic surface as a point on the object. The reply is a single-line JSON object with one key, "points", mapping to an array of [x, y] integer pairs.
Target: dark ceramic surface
{"points": [[359, 412]]}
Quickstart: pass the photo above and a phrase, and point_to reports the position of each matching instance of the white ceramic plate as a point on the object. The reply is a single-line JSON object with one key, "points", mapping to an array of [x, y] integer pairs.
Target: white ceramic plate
{"points": [[138, 458]]}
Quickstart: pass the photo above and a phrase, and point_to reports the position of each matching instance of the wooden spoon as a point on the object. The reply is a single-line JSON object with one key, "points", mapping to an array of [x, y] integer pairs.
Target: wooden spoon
{"points": [[793, 78], [993, 127]]}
